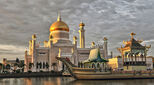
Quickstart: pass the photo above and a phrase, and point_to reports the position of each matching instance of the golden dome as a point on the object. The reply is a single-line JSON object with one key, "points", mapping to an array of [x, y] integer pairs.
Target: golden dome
{"points": [[59, 25], [81, 24]]}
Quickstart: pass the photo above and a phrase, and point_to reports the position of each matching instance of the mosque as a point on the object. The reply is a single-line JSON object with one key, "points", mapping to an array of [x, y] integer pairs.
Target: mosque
{"points": [[43, 57]]}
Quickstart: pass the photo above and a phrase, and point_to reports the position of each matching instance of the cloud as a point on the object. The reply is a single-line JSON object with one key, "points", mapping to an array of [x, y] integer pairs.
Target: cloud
{"points": [[11, 51], [114, 19], [148, 41]]}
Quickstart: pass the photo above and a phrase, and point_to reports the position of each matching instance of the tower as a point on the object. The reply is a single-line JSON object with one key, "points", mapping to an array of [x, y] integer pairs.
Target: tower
{"points": [[33, 46], [105, 48], [82, 35]]}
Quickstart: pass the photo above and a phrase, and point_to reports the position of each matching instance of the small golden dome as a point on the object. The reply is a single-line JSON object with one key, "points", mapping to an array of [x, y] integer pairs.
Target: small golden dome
{"points": [[81, 24], [105, 39], [33, 36], [59, 25]]}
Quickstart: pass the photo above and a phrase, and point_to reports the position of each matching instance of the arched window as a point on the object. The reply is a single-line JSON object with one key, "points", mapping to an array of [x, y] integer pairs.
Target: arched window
{"points": [[93, 65], [98, 65], [40, 65]]}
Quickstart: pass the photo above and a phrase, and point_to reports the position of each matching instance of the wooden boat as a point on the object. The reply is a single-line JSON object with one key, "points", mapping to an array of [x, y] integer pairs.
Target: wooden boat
{"points": [[92, 73]]}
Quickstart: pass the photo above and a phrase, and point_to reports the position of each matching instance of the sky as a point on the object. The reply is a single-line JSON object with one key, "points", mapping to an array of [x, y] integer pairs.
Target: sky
{"points": [[114, 19]]}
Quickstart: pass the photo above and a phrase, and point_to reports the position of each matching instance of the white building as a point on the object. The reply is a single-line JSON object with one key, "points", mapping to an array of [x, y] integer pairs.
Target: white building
{"points": [[43, 57]]}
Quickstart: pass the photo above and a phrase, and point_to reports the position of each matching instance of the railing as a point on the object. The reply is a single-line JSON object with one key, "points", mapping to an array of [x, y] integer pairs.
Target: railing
{"points": [[150, 72]]}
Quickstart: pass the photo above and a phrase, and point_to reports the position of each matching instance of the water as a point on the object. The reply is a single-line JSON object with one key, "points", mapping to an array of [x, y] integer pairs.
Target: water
{"points": [[71, 81]]}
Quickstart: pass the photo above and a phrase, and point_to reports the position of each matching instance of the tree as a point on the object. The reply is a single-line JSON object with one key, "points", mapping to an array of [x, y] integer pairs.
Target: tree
{"points": [[15, 67], [17, 60], [1, 67], [21, 66], [8, 66], [30, 65]]}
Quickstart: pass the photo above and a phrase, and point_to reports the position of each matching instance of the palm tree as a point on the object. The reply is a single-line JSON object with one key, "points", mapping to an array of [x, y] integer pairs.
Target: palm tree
{"points": [[15, 67], [8, 66], [30, 65], [17, 60], [21, 66], [1, 67]]}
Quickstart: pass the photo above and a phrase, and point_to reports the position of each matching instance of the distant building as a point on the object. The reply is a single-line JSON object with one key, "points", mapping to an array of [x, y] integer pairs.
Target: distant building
{"points": [[11, 62], [116, 63], [149, 62], [43, 57]]}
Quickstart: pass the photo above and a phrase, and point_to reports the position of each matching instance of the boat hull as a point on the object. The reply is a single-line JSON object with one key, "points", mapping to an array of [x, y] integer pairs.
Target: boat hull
{"points": [[98, 76]]}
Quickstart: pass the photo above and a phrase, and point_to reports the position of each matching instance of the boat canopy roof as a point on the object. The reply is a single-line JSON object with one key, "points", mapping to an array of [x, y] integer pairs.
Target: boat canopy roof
{"points": [[95, 56]]}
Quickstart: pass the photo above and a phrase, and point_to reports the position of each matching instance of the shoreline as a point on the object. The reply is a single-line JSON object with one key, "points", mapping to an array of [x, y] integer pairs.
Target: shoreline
{"points": [[59, 74], [33, 74]]}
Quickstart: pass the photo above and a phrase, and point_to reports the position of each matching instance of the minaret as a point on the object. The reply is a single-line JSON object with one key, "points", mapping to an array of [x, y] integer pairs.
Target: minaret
{"points": [[75, 41], [81, 35], [33, 48], [74, 51], [105, 48]]}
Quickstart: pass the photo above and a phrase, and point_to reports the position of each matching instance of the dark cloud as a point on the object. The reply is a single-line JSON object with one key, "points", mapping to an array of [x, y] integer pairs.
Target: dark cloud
{"points": [[115, 19]]}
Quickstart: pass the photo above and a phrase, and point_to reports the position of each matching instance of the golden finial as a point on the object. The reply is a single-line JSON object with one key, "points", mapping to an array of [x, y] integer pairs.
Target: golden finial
{"points": [[132, 35], [93, 44], [81, 23], [59, 17], [34, 36], [105, 39]]}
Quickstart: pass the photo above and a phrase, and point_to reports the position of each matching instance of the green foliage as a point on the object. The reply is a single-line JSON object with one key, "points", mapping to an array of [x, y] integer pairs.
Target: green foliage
{"points": [[17, 60], [29, 71], [8, 66], [18, 71], [41, 70]]}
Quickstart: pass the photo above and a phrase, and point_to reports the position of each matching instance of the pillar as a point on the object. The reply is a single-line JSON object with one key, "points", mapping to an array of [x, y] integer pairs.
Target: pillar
{"points": [[82, 35]]}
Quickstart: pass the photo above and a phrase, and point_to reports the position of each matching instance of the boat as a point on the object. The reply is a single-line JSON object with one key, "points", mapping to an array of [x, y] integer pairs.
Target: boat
{"points": [[94, 74]]}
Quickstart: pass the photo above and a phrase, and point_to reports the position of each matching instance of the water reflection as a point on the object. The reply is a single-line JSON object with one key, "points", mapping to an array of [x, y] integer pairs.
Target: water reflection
{"points": [[71, 81]]}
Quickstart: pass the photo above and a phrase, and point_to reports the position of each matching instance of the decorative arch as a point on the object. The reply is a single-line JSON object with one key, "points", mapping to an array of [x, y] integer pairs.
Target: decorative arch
{"points": [[93, 65], [98, 65]]}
